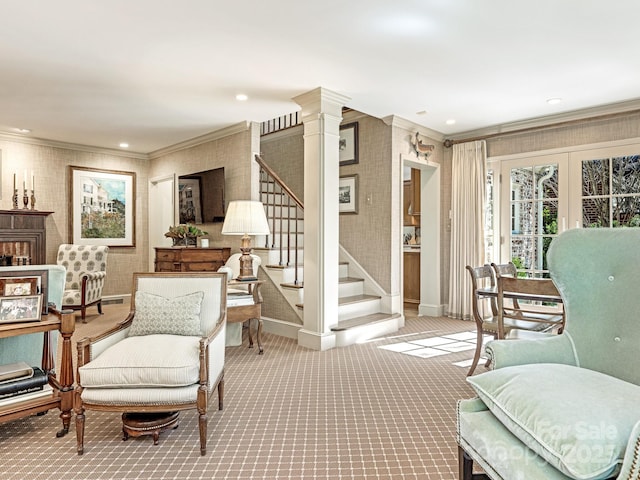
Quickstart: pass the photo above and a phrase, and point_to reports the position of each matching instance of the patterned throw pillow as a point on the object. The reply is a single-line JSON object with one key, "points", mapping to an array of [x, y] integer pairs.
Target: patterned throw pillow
{"points": [[171, 316]]}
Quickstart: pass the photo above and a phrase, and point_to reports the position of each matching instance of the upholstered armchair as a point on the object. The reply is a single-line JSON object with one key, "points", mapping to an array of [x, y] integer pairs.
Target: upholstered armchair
{"points": [[166, 356], [86, 267], [566, 406]]}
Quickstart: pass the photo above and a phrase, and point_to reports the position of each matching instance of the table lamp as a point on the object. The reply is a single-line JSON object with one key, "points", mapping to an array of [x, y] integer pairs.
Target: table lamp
{"points": [[245, 217]]}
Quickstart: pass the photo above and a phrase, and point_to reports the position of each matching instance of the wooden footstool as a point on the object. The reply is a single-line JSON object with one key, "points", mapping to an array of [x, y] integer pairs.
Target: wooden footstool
{"points": [[138, 424]]}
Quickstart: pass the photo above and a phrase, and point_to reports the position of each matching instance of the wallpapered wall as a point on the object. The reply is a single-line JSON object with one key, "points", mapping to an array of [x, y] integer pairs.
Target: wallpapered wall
{"points": [[233, 152], [51, 168]]}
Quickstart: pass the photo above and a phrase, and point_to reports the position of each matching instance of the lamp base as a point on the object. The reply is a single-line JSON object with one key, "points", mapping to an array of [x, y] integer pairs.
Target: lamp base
{"points": [[246, 262]]}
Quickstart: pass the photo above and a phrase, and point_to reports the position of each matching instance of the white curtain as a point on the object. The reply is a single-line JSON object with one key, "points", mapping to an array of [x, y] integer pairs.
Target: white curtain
{"points": [[468, 172]]}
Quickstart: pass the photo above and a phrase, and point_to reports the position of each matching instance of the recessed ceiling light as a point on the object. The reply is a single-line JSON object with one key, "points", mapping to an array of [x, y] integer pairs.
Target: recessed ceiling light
{"points": [[554, 101], [451, 121], [124, 145], [421, 112], [21, 130], [241, 97]]}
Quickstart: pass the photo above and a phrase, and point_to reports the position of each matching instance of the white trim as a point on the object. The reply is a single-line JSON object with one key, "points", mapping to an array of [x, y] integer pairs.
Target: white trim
{"points": [[550, 120], [568, 149], [43, 142], [207, 137]]}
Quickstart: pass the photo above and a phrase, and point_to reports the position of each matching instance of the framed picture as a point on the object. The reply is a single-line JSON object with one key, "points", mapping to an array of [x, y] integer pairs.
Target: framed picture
{"points": [[348, 194], [17, 283], [349, 144], [189, 200], [102, 207], [26, 308]]}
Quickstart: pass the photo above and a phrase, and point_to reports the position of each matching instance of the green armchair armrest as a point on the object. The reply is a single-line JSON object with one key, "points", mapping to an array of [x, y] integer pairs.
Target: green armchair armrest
{"points": [[555, 349]]}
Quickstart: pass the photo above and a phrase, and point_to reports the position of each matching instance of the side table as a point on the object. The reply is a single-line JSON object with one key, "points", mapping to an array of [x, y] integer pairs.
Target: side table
{"points": [[244, 313]]}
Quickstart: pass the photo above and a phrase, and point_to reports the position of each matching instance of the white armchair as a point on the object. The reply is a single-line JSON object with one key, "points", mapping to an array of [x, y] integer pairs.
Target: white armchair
{"points": [[86, 267], [166, 356]]}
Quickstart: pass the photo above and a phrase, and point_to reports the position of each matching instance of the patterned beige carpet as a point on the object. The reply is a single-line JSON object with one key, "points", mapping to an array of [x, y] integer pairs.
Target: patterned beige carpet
{"points": [[292, 413]]}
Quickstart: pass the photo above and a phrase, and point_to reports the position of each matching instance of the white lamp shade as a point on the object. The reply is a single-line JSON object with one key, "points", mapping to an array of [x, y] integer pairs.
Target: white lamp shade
{"points": [[245, 217]]}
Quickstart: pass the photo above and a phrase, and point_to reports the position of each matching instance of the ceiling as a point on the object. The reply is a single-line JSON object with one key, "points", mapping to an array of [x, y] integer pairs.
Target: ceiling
{"points": [[153, 73]]}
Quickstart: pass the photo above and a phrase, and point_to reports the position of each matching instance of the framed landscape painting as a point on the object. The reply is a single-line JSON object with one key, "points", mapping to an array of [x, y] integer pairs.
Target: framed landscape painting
{"points": [[102, 207]]}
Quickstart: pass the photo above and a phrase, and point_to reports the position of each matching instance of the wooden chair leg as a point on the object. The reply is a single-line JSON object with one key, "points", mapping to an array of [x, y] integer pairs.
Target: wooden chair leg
{"points": [[100, 307], [83, 313], [202, 423], [476, 356], [220, 393]]}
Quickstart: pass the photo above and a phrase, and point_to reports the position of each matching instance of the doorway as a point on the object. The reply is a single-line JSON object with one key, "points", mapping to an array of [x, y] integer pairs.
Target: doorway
{"points": [[430, 303], [161, 213]]}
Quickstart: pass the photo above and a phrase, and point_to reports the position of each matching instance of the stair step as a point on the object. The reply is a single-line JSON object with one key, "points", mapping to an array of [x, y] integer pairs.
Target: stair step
{"points": [[292, 285], [364, 320], [356, 299], [350, 280]]}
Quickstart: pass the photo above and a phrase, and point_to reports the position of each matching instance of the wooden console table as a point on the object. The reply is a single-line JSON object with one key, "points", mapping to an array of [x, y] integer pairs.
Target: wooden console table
{"points": [[62, 394], [190, 259], [244, 313]]}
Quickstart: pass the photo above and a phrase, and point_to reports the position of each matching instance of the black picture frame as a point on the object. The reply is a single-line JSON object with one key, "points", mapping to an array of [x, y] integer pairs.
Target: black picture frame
{"points": [[348, 144]]}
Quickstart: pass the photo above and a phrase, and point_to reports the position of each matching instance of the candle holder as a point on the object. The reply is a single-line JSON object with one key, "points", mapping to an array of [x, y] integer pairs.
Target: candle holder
{"points": [[15, 198], [33, 199], [25, 200]]}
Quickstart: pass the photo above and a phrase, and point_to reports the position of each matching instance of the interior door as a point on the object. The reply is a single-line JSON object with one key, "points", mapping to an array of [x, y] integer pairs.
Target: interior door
{"points": [[534, 207], [161, 213]]}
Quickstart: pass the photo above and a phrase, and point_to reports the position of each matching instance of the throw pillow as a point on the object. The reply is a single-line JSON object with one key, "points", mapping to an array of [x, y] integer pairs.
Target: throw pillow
{"points": [[171, 316]]}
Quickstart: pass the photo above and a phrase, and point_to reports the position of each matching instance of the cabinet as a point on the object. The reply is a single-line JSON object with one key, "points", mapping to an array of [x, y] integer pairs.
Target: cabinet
{"points": [[61, 393], [23, 236], [190, 259], [412, 276]]}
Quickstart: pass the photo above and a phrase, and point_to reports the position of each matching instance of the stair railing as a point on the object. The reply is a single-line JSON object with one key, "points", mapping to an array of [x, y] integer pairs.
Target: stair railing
{"points": [[276, 197]]}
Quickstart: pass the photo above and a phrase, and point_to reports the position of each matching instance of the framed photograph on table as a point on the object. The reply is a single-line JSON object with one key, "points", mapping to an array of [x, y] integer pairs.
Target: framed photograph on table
{"points": [[348, 194], [348, 144], [17, 283], [20, 308], [102, 207]]}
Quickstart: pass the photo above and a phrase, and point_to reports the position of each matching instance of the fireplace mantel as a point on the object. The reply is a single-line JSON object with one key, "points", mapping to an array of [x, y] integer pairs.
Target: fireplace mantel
{"points": [[23, 235]]}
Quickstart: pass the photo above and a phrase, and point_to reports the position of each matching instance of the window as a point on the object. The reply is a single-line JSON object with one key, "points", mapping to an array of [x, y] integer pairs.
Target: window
{"points": [[611, 192]]}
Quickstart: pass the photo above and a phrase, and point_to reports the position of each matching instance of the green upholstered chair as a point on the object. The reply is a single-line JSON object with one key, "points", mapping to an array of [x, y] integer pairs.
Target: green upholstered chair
{"points": [[28, 348], [566, 406]]}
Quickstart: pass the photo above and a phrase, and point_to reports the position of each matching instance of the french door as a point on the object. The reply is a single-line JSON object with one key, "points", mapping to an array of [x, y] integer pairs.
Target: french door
{"points": [[534, 209], [542, 196]]}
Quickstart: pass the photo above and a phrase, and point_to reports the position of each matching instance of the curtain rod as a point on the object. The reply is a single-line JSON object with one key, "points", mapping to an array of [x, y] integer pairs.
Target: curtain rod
{"points": [[448, 143]]}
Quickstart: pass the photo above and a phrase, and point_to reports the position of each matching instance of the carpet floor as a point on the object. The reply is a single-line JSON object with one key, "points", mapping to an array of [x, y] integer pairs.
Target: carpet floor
{"points": [[364, 411]]}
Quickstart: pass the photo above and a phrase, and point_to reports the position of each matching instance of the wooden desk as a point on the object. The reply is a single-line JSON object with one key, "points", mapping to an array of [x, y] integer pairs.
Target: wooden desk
{"points": [[244, 313]]}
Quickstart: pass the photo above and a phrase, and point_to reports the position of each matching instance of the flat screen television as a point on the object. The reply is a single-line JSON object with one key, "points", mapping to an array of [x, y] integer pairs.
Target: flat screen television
{"points": [[201, 197]]}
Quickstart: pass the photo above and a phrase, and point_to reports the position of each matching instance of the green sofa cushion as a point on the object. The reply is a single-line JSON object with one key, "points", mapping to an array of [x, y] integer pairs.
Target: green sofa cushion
{"points": [[577, 419]]}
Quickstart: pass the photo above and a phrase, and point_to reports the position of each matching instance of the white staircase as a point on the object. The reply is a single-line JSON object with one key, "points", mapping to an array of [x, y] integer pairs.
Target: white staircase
{"points": [[360, 315]]}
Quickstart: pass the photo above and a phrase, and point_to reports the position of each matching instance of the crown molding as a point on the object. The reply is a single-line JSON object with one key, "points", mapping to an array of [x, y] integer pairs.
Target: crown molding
{"points": [[396, 121], [207, 137], [551, 120], [43, 142]]}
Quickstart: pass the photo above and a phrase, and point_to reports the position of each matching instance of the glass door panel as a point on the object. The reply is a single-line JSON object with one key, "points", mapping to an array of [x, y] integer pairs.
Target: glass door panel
{"points": [[535, 189]]}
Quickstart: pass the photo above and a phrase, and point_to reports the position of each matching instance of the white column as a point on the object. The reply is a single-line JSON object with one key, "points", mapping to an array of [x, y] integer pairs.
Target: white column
{"points": [[321, 116]]}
